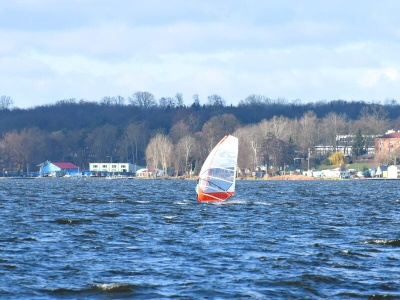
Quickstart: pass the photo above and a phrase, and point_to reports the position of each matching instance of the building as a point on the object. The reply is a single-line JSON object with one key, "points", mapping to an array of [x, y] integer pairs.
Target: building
{"points": [[113, 168], [144, 173], [388, 144], [58, 169], [344, 144], [393, 172]]}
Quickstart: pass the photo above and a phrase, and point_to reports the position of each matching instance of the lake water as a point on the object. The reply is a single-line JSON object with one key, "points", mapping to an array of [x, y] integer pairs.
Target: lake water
{"points": [[149, 239]]}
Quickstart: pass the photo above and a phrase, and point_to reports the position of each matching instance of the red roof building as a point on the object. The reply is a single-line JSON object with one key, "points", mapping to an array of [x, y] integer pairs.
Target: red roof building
{"points": [[58, 169], [388, 144], [65, 165]]}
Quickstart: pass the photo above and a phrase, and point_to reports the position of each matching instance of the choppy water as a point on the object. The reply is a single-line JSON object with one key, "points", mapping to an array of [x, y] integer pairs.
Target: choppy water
{"points": [[110, 239]]}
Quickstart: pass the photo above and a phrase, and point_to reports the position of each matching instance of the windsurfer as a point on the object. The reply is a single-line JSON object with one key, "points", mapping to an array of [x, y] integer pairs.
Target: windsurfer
{"points": [[217, 173]]}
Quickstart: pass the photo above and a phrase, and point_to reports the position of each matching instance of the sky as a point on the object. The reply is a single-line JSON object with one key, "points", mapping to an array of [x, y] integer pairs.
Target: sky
{"points": [[309, 50]]}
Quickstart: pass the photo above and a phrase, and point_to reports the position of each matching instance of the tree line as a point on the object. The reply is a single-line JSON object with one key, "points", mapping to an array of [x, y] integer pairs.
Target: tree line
{"points": [[167, 134]]}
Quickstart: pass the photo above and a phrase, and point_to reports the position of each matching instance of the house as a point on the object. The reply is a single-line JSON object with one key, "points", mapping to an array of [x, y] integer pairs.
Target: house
{"points": [[388, 144], [58, 169], [344, 144], [143, 173], [335, 173], [393, 172], [117, 168]]}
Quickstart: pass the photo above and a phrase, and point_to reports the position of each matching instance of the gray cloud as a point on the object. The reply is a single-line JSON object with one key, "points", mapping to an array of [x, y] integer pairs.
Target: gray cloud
{"points": [[299, 50]]}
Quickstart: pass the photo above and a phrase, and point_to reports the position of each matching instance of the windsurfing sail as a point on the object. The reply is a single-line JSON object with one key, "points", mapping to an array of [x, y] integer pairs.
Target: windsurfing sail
{"points": [[218, 174]]}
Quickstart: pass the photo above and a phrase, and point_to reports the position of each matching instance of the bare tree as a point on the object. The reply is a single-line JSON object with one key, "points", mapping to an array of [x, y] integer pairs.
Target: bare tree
{"points": [[331, 126], [178, 131], [167, 102], [201, 149], [166, 150], [104, 142], [382, 158], [309, 127], [6, 102], [217, 127], [13, 151], [255, 100], [179, 99], [108, 101], [159, 153], [171, 102], [22, 148], [143, 100], [274, 151], [183, 152], [152, 156], [119, 100], [279, 126], [249, 148], [216, 100], [135, 139], [373, 121], [196, 102], [194, 122]]}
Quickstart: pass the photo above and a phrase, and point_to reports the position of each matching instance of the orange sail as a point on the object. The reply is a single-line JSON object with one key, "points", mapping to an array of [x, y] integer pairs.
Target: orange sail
{"points": [[218, 174]]}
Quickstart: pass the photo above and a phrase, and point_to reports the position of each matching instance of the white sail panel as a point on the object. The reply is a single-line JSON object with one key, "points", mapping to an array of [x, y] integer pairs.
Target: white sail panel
{"points": [[218, 174]]}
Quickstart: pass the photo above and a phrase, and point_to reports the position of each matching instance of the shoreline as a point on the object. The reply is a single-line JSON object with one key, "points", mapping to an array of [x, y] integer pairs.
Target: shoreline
{"points": [[292, 177]]}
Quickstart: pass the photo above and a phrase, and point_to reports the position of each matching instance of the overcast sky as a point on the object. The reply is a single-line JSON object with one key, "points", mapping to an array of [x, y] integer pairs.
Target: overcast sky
{"points": [[309, 50]]}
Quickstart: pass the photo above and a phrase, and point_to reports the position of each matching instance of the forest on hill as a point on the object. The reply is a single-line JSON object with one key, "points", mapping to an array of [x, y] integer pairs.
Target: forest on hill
{"points": [[166, 134]]}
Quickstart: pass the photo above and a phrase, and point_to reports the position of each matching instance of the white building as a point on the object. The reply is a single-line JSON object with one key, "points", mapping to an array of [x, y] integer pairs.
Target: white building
{"points": [[344, 144], [144, 173], [113, 167], [393, 172], [335, 173]]}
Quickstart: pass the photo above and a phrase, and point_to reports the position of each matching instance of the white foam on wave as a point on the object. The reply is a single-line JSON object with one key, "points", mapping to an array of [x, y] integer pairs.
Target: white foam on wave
{"points": [[262, 203], [110, 286], [169, 217]]}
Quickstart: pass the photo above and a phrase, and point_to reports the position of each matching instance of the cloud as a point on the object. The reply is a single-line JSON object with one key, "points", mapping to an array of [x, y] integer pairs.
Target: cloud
{"points": [[377, 77], [310, 50]]}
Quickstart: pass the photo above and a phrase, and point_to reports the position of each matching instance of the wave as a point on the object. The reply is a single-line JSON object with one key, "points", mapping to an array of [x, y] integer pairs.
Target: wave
{"points": [[108, 289], [353, 253], [394, 242], [109, 214], [114, 287], [169, 217], [71, 221]]}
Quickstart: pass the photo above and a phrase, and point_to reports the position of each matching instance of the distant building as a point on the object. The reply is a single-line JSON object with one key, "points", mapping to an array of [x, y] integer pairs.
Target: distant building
{"points": [[114, 167], [328, 173], [344, 144], [394, 172], [58, 169], [144, 173], [388, 144]]}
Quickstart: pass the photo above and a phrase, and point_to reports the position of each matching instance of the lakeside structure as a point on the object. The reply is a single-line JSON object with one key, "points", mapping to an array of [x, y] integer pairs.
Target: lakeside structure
{"points": [[388, 144], [114, 168], [393, 172], [57, 169], [344, 144]]}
